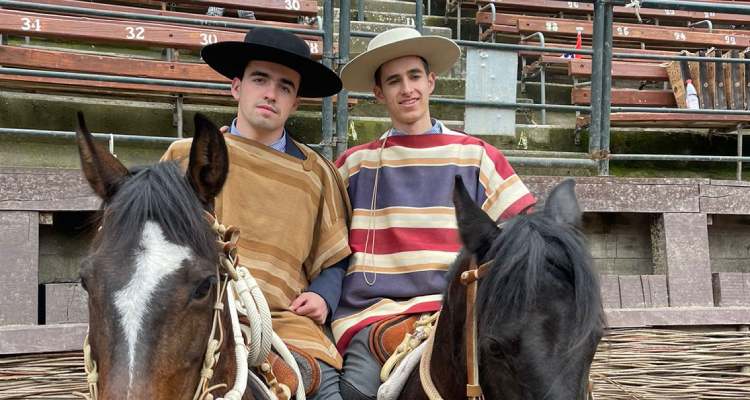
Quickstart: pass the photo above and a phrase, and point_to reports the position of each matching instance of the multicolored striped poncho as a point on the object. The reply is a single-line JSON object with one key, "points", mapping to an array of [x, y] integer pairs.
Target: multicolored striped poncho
{"points": [[405, 239]]}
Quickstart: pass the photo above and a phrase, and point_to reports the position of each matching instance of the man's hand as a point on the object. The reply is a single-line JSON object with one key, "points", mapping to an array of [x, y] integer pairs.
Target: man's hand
{"points": [[224, 129], [311, 305]]}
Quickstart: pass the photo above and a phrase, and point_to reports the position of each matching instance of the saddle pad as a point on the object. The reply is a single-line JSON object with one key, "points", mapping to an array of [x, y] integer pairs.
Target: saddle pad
{"points": [[391, 389], [386, 335]]}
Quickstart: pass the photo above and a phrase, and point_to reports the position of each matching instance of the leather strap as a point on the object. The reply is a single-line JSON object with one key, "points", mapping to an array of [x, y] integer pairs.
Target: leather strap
{"points": [[470, 278]]}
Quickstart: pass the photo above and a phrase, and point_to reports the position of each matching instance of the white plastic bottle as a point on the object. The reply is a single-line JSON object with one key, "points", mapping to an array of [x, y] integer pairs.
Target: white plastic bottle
{"points": [[691, 96]]}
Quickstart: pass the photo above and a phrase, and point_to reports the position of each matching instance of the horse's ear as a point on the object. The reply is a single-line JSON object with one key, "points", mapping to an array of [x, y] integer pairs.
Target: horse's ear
{"points": [[562, 204], [209, 161], [103, 170], [477, 230]]}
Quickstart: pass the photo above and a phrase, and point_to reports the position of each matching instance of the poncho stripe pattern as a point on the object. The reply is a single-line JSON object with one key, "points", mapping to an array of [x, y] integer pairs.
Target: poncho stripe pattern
{"points": [[402, 248]]}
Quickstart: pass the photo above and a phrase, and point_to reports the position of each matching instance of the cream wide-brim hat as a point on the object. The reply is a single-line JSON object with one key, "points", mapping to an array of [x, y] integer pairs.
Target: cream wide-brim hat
{"points": [[439, 52]]}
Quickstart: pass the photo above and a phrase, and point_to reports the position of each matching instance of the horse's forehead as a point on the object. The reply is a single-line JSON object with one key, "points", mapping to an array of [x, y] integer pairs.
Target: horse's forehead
{"points": [[155, 259]]}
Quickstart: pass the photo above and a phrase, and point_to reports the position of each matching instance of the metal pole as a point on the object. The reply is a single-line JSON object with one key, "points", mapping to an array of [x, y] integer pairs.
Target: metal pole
{"points": [[360, 10], [596, 79], [109, 137], [179, 116], [606, 89], [418, 17], [327, 109], [542, 75], [342, 111], [739, 151]]}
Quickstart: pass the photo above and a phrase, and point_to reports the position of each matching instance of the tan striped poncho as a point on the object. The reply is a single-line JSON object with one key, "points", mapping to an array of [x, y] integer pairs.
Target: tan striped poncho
{"points": [[293, 222]]}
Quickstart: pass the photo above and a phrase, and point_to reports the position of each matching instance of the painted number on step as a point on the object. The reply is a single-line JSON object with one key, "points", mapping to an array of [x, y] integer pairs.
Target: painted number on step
{"points": [[28, 24], [292, 5], [135, 32], [623, 31], [314, 46], [707, 14], [208, 38], [669, 12], [731, 39], [551, 26], [573, 4], [679, 36]]}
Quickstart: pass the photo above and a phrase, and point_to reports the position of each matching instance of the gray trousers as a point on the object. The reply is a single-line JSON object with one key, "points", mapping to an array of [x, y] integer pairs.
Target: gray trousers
{"points": [[360, 378], [329, 383]]}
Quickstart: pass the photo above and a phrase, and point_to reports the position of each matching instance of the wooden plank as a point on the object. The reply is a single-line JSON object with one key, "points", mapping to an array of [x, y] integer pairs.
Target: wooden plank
{"points": [[621, 70], [655, 290], [720, 101], [677, 81], [695, 75], [627, 97], [674, 36], [730, 289], [610, 287], [631, 291], [17, 339], [687, 260], [580, 8], [706, 95], [681, 120], [158, 11], [677, 316], [45, 189], [290, 7], [65, 303], [129, 33], [88, 86], [19, 246], [735, 83], [89, 63]]}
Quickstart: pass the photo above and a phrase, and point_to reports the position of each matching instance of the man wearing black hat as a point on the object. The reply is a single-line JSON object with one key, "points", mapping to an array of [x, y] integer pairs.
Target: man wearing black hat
{"points": [[286, 199]]}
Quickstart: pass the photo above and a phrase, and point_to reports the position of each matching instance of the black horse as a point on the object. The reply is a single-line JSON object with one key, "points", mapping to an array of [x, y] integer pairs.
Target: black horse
{"points": [[539, 312]]}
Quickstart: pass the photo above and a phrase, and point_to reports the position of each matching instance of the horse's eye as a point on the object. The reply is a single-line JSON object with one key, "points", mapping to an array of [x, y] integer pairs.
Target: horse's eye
{"points": [[204, 288]]}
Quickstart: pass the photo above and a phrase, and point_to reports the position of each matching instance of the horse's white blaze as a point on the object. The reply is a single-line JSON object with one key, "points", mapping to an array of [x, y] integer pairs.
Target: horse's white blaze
{"points": [[156, 259]]}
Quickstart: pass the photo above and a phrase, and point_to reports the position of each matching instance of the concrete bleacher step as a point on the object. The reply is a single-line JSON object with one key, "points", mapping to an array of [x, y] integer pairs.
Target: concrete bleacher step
{"points": [[359, 44], [391, 6]]}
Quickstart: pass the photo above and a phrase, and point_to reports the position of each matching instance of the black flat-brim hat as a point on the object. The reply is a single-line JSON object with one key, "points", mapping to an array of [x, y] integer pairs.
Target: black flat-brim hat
{"points": [[277, 46]]}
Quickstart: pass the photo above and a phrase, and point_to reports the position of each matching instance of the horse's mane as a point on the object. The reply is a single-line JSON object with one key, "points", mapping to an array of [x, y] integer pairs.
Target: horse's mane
{"points": [[159, 193], [531, 249]]}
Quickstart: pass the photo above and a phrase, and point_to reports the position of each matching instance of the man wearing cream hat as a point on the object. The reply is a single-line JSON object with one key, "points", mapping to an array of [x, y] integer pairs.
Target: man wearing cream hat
{"points": [[403, 232]]}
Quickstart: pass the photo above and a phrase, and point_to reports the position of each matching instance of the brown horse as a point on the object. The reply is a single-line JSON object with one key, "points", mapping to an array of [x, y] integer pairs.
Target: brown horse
{"points": [[538, 308], [151, 275]]}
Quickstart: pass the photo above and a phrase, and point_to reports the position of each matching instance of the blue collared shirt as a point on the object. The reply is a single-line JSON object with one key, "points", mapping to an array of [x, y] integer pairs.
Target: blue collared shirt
{"points": [[279, 145], [435, 129]]}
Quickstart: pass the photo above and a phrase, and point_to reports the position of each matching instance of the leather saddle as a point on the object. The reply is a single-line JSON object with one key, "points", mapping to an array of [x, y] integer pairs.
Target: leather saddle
{"points": [[387, 335], [281, 373]]}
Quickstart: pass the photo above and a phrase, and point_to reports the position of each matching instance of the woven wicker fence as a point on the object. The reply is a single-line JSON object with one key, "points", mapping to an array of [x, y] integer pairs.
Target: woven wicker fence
{"points": [[630, 364]]}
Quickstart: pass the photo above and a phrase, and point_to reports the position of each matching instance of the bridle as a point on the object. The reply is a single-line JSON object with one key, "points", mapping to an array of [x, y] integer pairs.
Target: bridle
{"points": [[469, 278], [243, 296]]}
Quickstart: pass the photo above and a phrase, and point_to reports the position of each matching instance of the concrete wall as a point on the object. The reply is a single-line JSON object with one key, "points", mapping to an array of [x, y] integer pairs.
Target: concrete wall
{"points": [[620, 243], [729, 243]]}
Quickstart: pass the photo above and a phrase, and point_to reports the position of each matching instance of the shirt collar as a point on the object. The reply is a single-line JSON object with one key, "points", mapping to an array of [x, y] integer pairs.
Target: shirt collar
{"points": [[279, 145], [435, 129]]}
